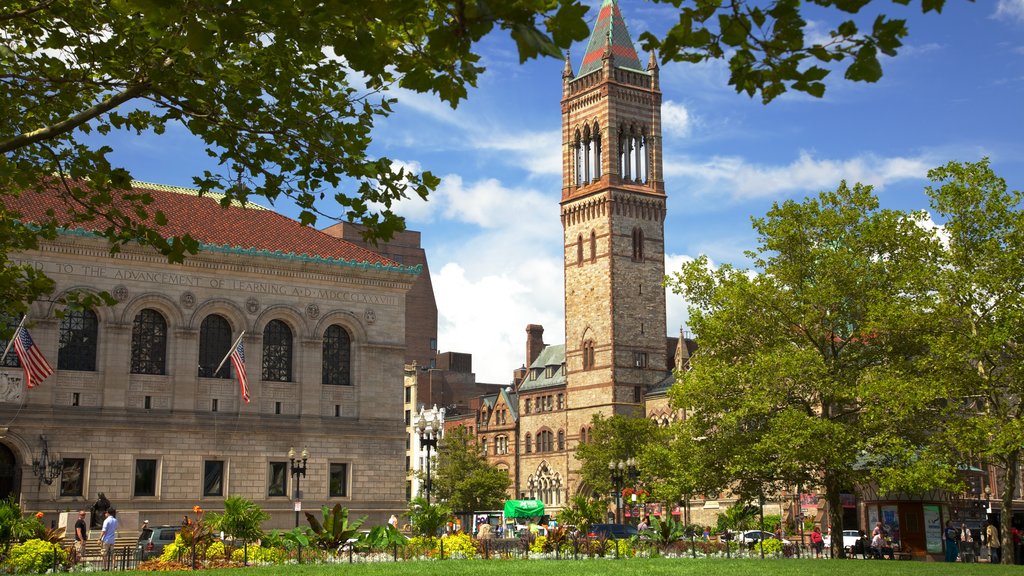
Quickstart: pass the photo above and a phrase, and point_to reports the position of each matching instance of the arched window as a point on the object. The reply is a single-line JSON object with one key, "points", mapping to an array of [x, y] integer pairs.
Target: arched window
{"points": [[77, 348], [529, 447], [579, 249], [583, 435], [214, 341], [149, 343], [596, 149], [545, 441], [593, 246], [337, 368], [578, 153], [277, 352], [638, 244], [640, 150], [561, 440], [588, 354], [625, 147]]}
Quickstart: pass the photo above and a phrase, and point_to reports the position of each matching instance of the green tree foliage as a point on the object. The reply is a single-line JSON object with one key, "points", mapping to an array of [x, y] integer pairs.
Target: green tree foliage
{"points": [[805, 372], [284, 95], [242, 519], [611, 440], [463, 478], [582, 512], [14, 526], [976, 353], [428, 519]]}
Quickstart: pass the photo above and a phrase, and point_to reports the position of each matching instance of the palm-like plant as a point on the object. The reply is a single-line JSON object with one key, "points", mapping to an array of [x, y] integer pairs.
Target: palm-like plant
{"points": [[665, 532], [335, 529], [242, 519], [383, 537], [13, 525], [428, 519], [582, 512]]}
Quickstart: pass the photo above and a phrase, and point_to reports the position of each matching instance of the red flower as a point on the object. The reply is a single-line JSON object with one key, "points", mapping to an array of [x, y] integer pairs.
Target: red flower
{"points": [[39, 515], [197, 509]]}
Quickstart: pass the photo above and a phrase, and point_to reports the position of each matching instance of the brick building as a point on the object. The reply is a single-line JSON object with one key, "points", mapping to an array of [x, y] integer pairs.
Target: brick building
{"points": [[137, 409], [616, 359]]}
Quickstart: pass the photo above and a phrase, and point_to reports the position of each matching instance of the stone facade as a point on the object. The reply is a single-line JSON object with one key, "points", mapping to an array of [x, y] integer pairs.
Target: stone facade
{"points": [[111, 425]]}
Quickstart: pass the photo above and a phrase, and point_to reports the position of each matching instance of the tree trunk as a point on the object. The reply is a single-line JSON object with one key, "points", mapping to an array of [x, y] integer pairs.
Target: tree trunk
{"points": [[835, 517], [1008, 483]]}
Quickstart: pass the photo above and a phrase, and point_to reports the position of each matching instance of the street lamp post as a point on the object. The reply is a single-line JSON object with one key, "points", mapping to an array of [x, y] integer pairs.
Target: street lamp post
{"points": [[428, 431], [621, 471], [298, 471]]}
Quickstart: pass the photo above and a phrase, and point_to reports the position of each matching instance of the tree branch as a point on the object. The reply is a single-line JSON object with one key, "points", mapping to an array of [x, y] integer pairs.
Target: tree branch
{"points": [[22, 13], [75, 121]]}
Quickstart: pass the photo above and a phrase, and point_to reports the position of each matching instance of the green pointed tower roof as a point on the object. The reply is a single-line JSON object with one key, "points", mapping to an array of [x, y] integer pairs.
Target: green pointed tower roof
{"points": [[610, 30]]}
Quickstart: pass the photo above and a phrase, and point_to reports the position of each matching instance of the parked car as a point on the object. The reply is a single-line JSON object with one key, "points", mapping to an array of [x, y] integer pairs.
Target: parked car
{"points": [[849, 539], [153, 539], [754, 536], [616, 531]]}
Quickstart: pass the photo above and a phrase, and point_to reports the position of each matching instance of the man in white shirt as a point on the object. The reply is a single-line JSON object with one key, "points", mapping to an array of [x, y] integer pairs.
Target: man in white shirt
{"points": [[108, 534]]}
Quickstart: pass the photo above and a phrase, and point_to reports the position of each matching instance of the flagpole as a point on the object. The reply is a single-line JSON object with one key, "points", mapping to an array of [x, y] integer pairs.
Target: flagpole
{"points": [[230, 350], [13, 336]]}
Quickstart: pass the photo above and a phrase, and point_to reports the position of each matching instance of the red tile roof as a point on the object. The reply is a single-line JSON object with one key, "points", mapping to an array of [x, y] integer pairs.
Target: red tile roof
{"points": [[251, 227]]}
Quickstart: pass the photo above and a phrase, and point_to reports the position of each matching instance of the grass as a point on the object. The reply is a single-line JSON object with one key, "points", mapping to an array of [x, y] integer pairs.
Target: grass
{"points": [[631, 567]]}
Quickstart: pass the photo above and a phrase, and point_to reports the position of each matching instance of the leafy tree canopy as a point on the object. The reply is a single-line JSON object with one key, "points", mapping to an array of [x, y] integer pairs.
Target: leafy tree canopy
{"points": [[806, 370], [284, 94], [463, 478], [614, 439], [975, 352]]}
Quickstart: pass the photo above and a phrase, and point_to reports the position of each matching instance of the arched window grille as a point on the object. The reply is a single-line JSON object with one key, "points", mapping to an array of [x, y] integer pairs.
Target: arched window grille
{"points": [[337, 352], [529, 445], [149, 343], [277, 352], [78, 339], [214, 341]]}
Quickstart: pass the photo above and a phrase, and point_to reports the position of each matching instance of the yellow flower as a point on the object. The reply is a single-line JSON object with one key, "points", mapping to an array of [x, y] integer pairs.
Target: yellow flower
{"points": [[197, 509]]}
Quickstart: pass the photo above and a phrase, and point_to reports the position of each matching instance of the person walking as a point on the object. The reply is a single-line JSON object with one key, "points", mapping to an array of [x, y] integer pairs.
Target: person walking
{"points": [[967, 553], [108, 535], [992, 539], [952, 550], [817, 542]]}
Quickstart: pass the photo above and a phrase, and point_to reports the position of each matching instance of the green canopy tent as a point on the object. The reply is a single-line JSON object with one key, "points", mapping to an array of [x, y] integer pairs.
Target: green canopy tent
{"points": [[523, 508]]}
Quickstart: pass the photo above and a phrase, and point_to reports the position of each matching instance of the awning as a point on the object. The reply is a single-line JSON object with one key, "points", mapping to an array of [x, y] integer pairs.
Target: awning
{"points": [[523, 508]]}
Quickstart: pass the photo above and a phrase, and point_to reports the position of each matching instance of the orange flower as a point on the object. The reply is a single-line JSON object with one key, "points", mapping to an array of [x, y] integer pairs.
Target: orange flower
{"points": [[197, 509], [39, 515]]}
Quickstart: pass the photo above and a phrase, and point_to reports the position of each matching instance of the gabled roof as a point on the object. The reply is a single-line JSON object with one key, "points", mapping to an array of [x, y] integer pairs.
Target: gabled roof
{"points": [[609, 31], [537, 377], [251, 229]]}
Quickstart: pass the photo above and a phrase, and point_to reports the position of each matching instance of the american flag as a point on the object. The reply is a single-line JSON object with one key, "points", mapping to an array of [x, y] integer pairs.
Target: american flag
{"points": [[238, 361], [36, 367]]}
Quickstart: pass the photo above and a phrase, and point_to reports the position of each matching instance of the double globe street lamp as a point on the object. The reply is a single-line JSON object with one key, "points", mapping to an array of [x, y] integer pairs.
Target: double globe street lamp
{"points": [[298, 471], [428, 431], [620, 472]]}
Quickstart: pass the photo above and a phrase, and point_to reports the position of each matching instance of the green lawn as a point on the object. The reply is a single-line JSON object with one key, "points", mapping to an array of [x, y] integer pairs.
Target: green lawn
{"points": [[631, 567]]}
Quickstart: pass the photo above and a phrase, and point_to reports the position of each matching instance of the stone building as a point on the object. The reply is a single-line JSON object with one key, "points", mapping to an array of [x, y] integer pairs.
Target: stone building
{"points": [[613, 207], [137, 409]]}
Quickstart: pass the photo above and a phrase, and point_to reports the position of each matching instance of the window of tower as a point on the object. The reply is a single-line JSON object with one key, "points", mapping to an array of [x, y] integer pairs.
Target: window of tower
{"points": [[593, 246], [588, 354], [596, 151], [579, 249], [638, 244], [578, 154]]}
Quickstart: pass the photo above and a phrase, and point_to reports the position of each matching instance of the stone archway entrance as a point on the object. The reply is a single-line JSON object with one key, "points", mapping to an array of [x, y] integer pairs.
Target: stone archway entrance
{"points": [[9, 481]]}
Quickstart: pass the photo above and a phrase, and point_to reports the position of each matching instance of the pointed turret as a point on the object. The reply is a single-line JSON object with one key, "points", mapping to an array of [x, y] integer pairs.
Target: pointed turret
{"points": [[652, 68], [566, 75], [610, 37]]}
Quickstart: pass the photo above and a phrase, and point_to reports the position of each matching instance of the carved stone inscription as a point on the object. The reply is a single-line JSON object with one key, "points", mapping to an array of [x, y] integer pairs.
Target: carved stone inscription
{"points": [[195, 281]]}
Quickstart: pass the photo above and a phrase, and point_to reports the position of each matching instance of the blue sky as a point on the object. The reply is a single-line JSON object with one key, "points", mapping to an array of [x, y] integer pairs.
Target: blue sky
{"points": [[492, 232]]}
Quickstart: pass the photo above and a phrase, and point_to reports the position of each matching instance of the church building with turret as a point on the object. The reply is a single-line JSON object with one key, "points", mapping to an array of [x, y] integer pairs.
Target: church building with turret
{"points": [[616, 358]]}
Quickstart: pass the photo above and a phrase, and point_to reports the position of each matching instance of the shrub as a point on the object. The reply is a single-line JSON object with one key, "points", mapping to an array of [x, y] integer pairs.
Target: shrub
{"points": [[259, 555], [771, 546], [36, 556], [459, 545], [539, 544]]}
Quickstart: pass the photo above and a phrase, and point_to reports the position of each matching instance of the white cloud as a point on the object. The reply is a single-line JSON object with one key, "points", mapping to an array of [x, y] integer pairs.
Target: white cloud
{"points": [[675, 119], [677, 315], [1012, 9], [487, 315], [735, 177]]}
